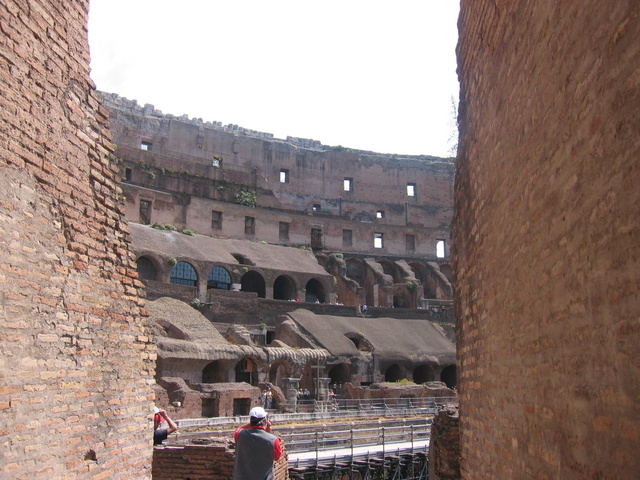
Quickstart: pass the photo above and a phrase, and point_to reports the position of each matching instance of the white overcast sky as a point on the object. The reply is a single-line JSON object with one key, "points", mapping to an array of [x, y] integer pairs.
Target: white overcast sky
{"points": [[365, 74]]}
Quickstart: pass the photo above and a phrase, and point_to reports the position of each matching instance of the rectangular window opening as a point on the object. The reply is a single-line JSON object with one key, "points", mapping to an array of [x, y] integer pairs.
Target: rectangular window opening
{"points": [[128, 174], [347, 238], [380, 214], [378, 240], [440, 249], [411, 243], [315, 207], [284, 231], [145, 212], [249, 226], [216, 220], [411, 189], [284, 176], [146, 146], [348, 184], [316, 238]]}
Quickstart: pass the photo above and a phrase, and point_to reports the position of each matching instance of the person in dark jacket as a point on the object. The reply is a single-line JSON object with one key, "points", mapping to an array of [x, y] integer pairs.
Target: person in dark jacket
{"points": [[161, 434], [256, 448]]}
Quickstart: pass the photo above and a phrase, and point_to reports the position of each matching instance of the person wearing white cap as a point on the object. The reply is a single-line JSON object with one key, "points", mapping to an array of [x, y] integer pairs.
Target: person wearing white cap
{"points": [[161, 434], [256, 448]]}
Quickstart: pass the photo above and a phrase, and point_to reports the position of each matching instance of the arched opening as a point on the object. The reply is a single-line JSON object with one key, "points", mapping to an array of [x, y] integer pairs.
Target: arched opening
{"points": [[183, 273], [315, 292], [449, 376], [284, 289], [246, 371], [219, 278], [339, 374], [445, 268], [355, 271], [393, 373], [390, 269], [253, 282], [422, 274], [146, 269], [216, 372], [278, 372], [361, 343], [423, 374], [400, 301]]}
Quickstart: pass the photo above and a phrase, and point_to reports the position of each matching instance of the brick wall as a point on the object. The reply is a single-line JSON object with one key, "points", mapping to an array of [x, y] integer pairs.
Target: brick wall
{"points": [[444, 445], [75, 394], [202, 462], [546, 252]]}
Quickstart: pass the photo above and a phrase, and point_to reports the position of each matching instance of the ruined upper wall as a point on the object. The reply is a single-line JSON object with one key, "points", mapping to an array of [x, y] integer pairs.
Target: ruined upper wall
{"points": [[113, 100], [545, 239], [76, 361]]}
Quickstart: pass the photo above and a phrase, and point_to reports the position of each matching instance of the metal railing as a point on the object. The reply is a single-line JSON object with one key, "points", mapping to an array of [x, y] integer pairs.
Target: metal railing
{"points": [[332, 446], [326, 438], [385, 407]]}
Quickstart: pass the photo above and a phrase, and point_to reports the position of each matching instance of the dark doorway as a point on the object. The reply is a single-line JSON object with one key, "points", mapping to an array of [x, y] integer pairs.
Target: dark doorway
{"points": [[253, 282], [449, 376]]}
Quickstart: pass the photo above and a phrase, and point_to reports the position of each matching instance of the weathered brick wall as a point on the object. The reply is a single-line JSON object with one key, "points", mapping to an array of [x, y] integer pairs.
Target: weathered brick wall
{"points": [[202, 462], [546, 252], [75, 393], [444, 445]]}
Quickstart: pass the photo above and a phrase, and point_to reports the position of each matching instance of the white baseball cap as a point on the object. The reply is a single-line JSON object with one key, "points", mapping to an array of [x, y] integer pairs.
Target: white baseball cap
{"points": [[257, 412]]}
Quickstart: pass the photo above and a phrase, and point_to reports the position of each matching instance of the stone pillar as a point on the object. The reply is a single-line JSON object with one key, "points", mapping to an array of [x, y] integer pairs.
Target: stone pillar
{"points": [[323, 393], [291, 391]]}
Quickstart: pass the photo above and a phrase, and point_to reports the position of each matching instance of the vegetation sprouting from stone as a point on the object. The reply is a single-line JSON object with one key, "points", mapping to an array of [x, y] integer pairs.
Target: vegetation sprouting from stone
{"points": [[246, 198]]}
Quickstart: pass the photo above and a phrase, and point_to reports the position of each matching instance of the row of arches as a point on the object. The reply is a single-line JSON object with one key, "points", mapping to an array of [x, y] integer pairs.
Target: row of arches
{"points": [[247, 370], [284, 287]]}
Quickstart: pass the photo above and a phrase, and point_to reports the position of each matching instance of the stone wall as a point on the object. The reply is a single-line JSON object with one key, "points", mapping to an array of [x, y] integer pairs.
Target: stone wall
{"points": [[444, 445], [190, 172], [75, 394], [545, 234]]}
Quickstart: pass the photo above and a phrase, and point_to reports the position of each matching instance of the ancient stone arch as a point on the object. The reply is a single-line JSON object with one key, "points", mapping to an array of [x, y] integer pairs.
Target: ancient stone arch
{"points": [[183, 273], [340, 374], [449, 376], [393, 373], [253, 281], [146, 267], [355, 270], [219, 278], [216, 372], [389, 268], [278, 371], [284, 288], [361, 343], [315, 291], [423, 374]]}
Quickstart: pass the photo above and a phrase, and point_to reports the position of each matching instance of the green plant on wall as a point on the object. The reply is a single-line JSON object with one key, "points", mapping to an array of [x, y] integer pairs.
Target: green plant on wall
{"points": [[172, 261], [411, 286], [166, 226], [246, 198], [197, 304]]}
